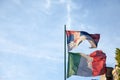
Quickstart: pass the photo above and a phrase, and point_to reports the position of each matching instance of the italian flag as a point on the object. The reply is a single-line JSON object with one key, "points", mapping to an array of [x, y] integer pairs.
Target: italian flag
{"points": [[86, 65]]}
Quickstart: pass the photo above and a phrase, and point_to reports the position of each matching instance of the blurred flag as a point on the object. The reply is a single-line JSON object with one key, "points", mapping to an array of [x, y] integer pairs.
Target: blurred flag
{"points": [[86, 65], [74, 38]]}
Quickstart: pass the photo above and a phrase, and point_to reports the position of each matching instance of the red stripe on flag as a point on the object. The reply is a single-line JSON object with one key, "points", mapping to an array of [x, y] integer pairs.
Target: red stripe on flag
{"points": [[99, 63]]}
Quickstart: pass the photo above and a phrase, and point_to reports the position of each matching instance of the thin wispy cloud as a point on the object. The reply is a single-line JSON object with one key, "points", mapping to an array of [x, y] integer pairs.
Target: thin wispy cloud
{"points": [[48, 4], [62, 1], [72, 18], [10, 47], [68, 6], [46, 7]]}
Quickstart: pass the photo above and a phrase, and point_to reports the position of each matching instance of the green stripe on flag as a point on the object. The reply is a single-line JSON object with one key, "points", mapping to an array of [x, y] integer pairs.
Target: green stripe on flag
{"points": [[73, 63]]}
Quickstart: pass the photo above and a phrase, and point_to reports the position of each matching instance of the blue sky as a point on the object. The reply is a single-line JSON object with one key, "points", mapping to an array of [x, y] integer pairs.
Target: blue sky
{"points": [[32, 35]]}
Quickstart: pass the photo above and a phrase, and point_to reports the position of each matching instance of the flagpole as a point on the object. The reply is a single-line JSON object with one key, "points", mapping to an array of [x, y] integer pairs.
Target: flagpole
{"points": [[64, 52]]}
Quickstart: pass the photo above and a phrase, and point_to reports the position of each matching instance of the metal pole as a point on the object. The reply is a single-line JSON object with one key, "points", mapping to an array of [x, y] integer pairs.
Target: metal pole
{"points": [[64, 52]]}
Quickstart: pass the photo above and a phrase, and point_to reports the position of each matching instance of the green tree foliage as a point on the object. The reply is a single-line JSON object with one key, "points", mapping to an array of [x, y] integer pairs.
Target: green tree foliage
{"points": [[118, 56], [118, 62]]}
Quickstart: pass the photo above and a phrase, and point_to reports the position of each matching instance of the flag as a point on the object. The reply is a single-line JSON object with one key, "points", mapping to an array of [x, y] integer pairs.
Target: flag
{"points": [[86, 65], [74, 38]]}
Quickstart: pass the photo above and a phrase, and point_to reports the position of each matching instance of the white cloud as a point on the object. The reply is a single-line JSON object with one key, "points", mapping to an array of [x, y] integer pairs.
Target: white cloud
{"points": [[7, 46], [62, 1], [68, 6], [48, 4], [71, 7]]}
